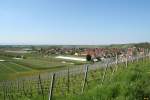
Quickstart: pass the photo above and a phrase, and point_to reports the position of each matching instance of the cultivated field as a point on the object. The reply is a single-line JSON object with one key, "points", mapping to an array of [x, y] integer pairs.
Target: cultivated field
{"points": [[12, 67]]}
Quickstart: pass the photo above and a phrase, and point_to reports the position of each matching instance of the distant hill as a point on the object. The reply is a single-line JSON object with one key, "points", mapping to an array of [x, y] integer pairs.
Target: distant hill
{"points": [[142, 45], [138, 45]]}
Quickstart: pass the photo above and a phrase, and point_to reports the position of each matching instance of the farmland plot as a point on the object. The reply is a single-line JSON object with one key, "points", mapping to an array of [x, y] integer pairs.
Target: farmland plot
{"points": [[32, 64]]}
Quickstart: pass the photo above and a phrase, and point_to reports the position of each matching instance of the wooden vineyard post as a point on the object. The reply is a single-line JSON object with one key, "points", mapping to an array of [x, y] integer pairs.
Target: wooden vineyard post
{"points": [[132, 59], [149, 55], [30, 88], [143, 55], [85, 78], [143, 58], [137, 58], [103, 78], [23, 87], [145, 51], [126, 62], [113, 71], [4, 94], [116, 59], [18, 88], [51, 87], [11, 88], [6, 90], [40, 83], [116, 62], [68, 80]]}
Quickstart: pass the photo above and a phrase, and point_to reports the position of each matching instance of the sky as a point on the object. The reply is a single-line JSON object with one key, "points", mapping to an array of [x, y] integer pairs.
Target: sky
{"points": [[81, 22]]}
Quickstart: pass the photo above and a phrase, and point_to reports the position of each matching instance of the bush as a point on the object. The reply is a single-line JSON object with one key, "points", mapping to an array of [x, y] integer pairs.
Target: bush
{"points": [[88, 58]]}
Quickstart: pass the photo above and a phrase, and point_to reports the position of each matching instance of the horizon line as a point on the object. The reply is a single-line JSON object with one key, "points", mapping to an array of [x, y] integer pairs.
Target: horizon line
{"points": [[75, 44]]}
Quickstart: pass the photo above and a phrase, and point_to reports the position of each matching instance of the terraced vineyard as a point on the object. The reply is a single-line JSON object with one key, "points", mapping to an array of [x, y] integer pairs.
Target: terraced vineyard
{"points": [[120, 82]]}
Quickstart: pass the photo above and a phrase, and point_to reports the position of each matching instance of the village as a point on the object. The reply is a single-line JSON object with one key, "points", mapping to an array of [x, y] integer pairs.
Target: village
{"points": [[95, 54]]}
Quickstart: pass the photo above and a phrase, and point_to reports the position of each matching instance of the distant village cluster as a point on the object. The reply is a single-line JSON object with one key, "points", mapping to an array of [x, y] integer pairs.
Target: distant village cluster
{"points": [[96, 54]]}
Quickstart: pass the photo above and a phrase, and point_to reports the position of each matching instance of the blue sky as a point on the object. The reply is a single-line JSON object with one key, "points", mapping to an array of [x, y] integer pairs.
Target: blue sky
{"points": [[74, 21]]}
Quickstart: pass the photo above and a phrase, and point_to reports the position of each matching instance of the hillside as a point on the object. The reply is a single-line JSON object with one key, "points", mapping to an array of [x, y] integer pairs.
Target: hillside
{"points": [[126, 84], [118, 82]]}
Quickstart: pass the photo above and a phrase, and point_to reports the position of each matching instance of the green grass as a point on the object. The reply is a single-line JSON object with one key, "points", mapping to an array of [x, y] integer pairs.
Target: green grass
{"points": [[130, 83], [126, 84], [9, 70], [33, 64]]}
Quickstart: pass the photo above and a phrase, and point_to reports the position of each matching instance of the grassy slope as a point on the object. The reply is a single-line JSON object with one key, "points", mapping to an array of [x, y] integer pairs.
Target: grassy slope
{"points": [[126, 84], [130, 83]]}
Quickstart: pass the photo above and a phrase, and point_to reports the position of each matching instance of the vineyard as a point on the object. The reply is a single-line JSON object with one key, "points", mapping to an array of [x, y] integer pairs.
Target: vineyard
{"points": [[74, 50], [79, 83]]}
